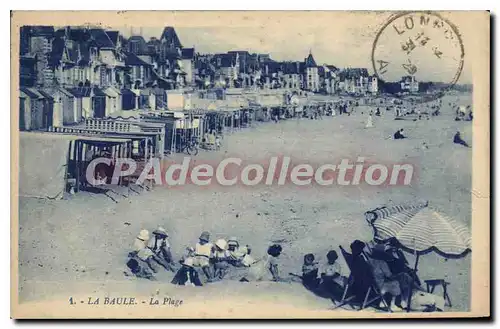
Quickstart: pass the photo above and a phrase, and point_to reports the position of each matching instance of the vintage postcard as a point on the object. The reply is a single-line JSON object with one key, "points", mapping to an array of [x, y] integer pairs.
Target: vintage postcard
{"points": [[249, 165]]}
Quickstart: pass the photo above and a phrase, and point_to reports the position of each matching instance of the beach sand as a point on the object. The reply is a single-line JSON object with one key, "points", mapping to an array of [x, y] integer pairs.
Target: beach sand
{"points": [[80, 245]]}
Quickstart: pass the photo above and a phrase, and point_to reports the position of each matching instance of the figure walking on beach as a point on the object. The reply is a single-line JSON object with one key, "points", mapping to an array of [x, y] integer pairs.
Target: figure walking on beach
{"points": [[369, 122]]}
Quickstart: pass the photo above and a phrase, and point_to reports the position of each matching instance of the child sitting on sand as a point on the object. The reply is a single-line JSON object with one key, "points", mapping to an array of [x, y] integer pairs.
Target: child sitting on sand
{"points": [[265, 268], [332, 281], [310, 272]]}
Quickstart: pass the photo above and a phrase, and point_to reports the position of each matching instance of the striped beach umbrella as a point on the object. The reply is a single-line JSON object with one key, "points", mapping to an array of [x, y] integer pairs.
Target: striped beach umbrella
{"points": [[424, 230], [383, 212]]}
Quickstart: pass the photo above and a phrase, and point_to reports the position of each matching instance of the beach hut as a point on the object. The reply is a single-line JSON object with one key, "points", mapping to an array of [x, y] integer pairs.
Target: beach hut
{"points": [[48, 109], [160, 98], [64, 108], [24, 111], [113, 100], [86, 99], [144, 99], [98, 103], [31, 108], [129, 99], [51, 162], [77, 104]]}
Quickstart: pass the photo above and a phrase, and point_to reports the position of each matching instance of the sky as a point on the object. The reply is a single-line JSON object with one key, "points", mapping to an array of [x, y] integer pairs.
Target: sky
{"points": [[342, 39]]}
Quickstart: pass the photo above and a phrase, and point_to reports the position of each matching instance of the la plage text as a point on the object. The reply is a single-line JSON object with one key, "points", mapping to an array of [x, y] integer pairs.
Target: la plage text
{"points": [[130, 301]]}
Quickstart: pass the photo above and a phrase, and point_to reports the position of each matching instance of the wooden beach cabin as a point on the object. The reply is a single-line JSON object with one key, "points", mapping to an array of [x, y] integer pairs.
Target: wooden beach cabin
{"points": [[169, 120], [48, 109], [146, 99], [159, 102], [85, 95], [24, 111], [30, 109], [35, 109], [98, 103], [52, 163], [113, 100], [154, 131], [129, 100], [77, 105], [64, 107]]}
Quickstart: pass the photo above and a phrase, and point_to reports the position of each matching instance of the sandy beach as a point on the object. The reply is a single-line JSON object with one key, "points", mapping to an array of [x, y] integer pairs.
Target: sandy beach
{"points": [[80, 244]]}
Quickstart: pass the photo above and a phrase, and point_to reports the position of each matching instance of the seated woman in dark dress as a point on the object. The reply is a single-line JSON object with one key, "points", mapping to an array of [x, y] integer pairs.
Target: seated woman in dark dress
{"points": [[361, 272], [187, 274]]}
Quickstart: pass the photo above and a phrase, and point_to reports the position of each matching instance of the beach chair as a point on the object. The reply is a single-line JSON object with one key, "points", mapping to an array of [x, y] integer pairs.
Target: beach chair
{"points": [[372, 295]]}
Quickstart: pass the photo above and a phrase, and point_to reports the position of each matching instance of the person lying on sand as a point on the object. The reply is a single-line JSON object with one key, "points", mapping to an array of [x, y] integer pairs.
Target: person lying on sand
{"points": [[457, 139]]}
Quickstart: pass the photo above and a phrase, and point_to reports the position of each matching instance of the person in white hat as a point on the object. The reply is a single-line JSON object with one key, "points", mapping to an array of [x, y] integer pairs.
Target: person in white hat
{"points": [[203, 254], [160, 246], [141, 252], [141, 240], [237, 254], [221, 259]]}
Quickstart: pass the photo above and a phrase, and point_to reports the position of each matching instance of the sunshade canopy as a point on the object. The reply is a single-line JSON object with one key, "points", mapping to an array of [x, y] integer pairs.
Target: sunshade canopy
{"points": [[424, 230]]}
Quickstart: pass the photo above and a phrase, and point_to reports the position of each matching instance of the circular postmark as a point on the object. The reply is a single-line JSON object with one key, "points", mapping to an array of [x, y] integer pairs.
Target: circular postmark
{"points": [[418, 53]]}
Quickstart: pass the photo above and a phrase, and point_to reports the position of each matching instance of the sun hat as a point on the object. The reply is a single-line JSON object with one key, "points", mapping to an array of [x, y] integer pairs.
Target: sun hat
{"points": [[160, 231], [205, 236], [233, 241], [143, 235], [221, 243]]}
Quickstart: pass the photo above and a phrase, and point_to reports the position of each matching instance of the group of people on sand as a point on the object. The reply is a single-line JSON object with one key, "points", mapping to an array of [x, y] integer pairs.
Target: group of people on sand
{"points": [[149, 253], [382, 265], [212, 259], [375, 265]]}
